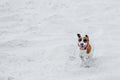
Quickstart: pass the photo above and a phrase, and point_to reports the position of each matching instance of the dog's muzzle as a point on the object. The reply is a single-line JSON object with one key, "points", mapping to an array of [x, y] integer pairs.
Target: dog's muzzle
{"points": [[82, 46]]}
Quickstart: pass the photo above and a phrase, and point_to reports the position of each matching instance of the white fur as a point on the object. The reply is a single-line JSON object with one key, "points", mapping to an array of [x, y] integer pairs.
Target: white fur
{"points": [[85, 57]]}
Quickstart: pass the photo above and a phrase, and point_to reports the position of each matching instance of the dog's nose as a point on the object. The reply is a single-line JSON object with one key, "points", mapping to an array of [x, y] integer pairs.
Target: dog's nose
{"points": [[81, 44]]}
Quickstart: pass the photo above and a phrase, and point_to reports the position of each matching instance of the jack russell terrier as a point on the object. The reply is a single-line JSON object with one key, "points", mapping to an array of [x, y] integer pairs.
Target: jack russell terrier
{"points": [[85, 48]]}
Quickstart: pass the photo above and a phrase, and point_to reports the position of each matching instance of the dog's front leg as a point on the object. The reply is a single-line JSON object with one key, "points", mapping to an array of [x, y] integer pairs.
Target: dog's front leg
{"points": [[82, 58]]}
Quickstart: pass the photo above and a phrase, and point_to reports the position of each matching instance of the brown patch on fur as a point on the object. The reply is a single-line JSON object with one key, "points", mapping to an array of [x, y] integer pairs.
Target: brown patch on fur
{"points": [[88, 49], [80, 39]]}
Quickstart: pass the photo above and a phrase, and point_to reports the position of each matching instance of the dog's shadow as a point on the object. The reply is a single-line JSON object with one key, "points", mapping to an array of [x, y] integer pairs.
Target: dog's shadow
{"points": [[93, 62]]}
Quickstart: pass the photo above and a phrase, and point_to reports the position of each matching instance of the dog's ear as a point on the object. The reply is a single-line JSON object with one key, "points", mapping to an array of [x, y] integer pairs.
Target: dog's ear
{"points": [[78, 35], [86, 36]]}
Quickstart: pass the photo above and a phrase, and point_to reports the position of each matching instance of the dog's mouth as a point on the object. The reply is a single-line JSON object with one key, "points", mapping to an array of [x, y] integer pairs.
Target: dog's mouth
{"points": [[82, 47]]}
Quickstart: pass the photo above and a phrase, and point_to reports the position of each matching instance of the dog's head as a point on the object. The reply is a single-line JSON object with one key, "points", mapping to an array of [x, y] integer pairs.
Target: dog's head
{"points": [[83, 41]]}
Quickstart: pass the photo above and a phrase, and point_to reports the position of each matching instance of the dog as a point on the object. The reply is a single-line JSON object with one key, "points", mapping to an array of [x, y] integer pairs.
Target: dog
{"points": [[85, 48]]}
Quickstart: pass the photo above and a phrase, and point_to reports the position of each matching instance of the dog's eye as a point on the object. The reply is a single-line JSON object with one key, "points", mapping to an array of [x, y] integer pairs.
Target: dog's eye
{"points": [[85, 40], [80, 40]]}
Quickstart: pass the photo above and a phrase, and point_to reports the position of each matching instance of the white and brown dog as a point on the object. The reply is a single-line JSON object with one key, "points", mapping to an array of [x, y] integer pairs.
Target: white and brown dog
{"points": [[85, 48]]}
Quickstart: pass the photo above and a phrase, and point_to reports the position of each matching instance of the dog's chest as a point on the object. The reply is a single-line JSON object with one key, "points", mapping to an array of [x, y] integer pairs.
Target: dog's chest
{"points": [[83, 53]]}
